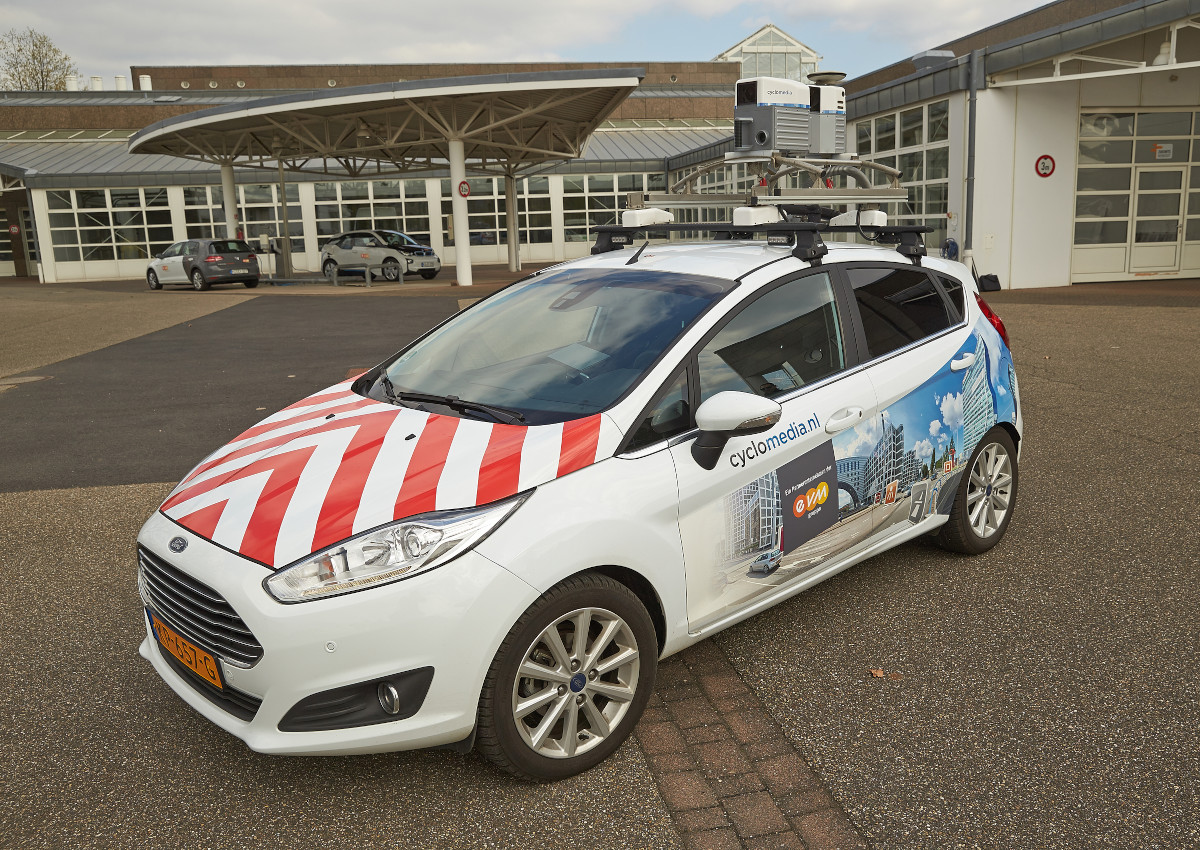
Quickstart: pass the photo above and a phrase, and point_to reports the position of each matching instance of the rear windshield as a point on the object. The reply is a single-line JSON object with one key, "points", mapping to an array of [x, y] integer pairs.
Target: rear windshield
{"points": [[230, 246], [559, 346]]}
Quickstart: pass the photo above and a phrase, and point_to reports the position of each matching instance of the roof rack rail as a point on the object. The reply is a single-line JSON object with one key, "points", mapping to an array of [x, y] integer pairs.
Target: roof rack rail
{"points": [[803, 236]]}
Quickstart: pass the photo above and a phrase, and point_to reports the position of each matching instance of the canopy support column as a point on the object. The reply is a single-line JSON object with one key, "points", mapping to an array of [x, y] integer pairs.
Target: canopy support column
{"points": [[510, 218], [229, 194], [458, 204], [284, 263]]}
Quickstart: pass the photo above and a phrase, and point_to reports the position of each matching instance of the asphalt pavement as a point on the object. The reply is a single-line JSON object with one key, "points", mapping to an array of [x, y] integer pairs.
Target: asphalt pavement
{"points": [[1045, 694]]}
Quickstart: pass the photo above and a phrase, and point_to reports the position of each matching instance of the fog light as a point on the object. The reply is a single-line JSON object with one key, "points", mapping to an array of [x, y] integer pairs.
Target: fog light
{"points": [[389, 697]]}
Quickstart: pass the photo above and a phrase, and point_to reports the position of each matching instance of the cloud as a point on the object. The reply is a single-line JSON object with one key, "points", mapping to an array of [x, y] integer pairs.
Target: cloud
{"points": [[1000, 389], [943, 438], [952, 413], [863, 438], [924, 449], [934, 427], [887, 416]]}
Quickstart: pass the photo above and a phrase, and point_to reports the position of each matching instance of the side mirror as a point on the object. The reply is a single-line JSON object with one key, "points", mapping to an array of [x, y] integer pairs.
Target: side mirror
{"points": [[730, 414], [989, 283]]}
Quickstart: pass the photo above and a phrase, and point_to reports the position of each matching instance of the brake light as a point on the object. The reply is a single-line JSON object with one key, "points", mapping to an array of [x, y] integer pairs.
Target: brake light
{"points": [[252, 257], [991, 316], [215, 258]]}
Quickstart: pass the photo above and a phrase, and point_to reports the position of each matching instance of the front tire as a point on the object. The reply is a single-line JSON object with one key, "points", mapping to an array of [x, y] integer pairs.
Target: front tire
{"points": [[391, 269], [986, 496], [570, 680], [198, 282], [330, 269], [429, 275], [152, 280]]}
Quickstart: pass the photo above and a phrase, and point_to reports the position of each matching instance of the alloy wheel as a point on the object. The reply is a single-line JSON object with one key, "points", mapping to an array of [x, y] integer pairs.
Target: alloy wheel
{"points": [[989, 490], [576, 683]]}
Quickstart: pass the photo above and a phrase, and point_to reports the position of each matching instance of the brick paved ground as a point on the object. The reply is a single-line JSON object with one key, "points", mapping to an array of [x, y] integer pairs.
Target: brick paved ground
{"points": [[729, 776]]}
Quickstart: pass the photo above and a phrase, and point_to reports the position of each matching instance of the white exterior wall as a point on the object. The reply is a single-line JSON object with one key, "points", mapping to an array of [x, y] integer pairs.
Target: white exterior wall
{"points": [[995, 132]]}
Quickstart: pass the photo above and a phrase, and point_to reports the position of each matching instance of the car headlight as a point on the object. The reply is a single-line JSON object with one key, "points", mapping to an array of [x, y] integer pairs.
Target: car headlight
{"points": [[389, 553]]}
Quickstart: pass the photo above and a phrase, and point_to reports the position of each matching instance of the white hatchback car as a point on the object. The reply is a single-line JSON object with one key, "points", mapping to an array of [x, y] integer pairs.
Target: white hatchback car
{"points": [[493, 537], [396, 253]]}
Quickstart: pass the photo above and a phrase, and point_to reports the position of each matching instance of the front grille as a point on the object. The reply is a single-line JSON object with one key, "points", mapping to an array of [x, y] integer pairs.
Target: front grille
{"points": [[197, 611]]}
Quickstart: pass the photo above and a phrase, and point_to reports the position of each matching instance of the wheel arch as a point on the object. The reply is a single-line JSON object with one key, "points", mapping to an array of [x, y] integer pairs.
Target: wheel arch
{"points": [[643, 589]]}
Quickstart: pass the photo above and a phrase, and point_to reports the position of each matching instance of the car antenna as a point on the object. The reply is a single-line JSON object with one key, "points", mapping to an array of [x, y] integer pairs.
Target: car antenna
{"points": [[634, 258]]}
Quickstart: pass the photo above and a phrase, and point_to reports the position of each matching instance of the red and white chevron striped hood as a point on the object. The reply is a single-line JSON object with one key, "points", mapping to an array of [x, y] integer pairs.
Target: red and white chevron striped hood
{"points": [[336, 464]]}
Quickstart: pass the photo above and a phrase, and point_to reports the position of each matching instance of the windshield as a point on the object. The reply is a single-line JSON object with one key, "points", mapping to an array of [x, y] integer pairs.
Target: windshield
{"points": [[560, 346]]}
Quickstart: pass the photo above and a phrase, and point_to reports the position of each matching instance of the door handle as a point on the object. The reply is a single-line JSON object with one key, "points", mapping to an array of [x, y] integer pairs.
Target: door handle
{"points": [[843, 419], [963, 362]]}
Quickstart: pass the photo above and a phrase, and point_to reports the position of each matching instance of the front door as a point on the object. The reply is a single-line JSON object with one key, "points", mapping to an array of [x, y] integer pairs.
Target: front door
{"points": [[1158, 224], [771, 509]]}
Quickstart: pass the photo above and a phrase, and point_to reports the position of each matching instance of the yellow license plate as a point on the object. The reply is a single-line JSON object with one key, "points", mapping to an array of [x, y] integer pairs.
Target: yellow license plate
{"points": [[190, 655]]}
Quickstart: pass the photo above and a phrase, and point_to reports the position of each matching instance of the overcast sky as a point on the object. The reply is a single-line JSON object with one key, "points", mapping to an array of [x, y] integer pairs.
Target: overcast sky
{"points": [[855, 36]]}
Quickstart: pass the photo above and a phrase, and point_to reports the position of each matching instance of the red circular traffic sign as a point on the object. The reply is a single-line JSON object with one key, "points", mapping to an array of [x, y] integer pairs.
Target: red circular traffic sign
{"points": [[14, 229], [1044, 165], [464, 188]]}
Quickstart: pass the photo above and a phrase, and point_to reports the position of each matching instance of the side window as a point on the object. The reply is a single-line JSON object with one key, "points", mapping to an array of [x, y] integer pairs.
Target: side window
{"points": [[669, 416], [191, 249], [174, 251], [898, 307], [954, 289], [783, 340]]}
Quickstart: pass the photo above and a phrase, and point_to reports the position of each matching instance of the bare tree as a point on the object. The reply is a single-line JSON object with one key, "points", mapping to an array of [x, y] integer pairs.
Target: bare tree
{"points": [[30, 61]]}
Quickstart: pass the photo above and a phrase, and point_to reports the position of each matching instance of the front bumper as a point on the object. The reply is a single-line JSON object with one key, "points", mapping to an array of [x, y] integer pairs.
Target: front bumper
{"points": [[452, 619]]}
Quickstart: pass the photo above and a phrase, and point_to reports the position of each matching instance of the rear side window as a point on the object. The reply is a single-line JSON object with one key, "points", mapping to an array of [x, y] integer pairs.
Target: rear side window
{"points": [[780, 342], [954, 289], [898, 307]]}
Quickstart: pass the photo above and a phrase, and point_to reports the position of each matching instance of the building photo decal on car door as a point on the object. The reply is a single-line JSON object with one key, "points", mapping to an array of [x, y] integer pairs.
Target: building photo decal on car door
{"points": [[899, 466]]}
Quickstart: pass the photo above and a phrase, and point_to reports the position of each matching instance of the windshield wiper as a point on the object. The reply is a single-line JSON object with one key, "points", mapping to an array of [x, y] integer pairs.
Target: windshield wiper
{"points": [[451, 401]]}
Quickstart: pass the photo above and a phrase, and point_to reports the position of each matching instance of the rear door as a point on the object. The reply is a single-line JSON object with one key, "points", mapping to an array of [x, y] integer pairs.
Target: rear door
{"points": [[771, 510], [191, 257], [924, 363]]}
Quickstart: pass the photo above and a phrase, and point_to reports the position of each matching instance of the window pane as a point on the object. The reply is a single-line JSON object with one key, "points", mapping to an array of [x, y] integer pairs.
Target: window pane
{"points": [[573, 184], [90, 199], [937, 164], [1101, 232], [386, 188], [259, 194], [885, 133], [912, 166], [126, 198], [936, 202], [59, 200], [1158, 205], [629, 182], [1105, 152], [1102, 179], [916, 198], [783, 340], [1102, 206], [863, 132], [898, 307], [911, 127], [1156, 231], [1104, 124], [537, 185], [1194, 203], [1193, 230], [1164, 124], [355, 190], [1171, 150], [414, 188], [325, 191], [195, 196], [1160, 179], [939, 121], [669, 416]]}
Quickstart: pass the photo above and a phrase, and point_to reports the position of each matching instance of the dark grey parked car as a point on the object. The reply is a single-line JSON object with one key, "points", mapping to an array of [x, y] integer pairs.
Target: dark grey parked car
{"points": [[203, 262]]}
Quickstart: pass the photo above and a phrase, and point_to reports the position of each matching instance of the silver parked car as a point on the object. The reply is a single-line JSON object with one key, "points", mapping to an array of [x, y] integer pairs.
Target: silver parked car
{"points": [[398, 253], [203, 262]]}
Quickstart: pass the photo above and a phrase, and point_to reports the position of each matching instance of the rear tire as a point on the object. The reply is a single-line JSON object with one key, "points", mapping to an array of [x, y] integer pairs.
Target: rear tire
{"points": [[578, 700], [429, 275], [198, 282], [987, 494], [251, 283], [152, 280]]}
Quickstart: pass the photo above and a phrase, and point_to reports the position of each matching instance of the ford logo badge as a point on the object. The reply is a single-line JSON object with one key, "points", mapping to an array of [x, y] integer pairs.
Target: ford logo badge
{"points": [[177, 544]]}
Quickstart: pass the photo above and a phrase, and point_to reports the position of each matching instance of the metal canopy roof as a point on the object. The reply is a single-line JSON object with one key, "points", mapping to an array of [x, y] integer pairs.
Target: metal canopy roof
{"points": [[507, 122]]}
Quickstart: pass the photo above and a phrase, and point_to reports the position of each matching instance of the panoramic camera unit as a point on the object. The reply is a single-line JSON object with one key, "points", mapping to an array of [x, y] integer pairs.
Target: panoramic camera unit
{"points": [[797, 119]]}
